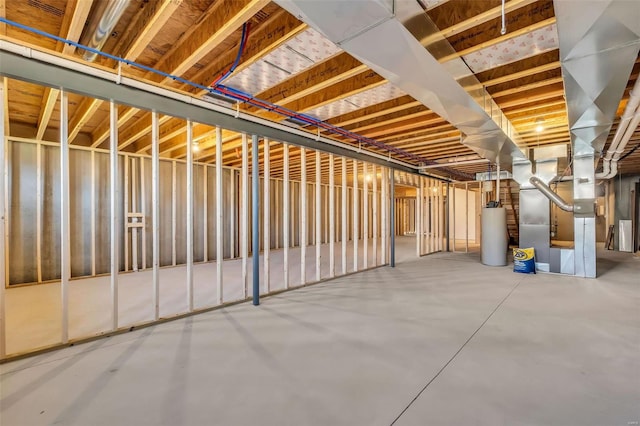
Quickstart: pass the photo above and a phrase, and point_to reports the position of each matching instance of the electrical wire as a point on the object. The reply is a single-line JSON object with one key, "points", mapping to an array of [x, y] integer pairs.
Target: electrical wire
{"points": [[247, 98], [246, 27]]}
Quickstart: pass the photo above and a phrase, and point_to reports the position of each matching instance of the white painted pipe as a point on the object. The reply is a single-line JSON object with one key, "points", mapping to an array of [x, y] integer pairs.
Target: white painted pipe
{"points": [[627, 126]]}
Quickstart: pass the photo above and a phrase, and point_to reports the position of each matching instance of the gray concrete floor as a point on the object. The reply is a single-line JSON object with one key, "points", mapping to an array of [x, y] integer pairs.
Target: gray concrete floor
{"points": [[441, 340]]}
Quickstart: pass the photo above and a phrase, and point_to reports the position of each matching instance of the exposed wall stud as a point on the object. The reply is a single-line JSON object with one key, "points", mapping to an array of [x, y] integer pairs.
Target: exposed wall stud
{"points": [[255, 217], [392, 212], [219, 215], [286, 204], [356, 216], [266, 210], [155, 211], [303, 216], [318, 217], [244, 215], [3, 220], [39, 184], [365, 215], [418, 217], [115, 197], [374, 173], [189, 190], [384, 224], [65, 243], [205, 212], [344, 216], [332, 217], [174, 211]]}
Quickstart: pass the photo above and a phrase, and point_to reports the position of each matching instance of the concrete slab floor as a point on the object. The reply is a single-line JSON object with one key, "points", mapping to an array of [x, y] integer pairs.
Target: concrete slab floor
{"points": [[437, 341]]}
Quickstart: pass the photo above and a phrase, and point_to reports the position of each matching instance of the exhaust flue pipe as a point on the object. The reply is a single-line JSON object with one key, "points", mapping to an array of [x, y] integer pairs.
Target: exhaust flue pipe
{"points": [[101, 25], [547, 192]]}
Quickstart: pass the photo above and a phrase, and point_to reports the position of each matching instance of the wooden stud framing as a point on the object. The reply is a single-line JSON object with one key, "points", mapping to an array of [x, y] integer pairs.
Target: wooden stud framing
{"points": [[155, 213], [266, 211], [244, 215], [65, 234], [189, 190], [344, 216], [303, 216], [356, 216], [365, 215], [219, 215], [318, 217], [332, 217], [286, 206]]}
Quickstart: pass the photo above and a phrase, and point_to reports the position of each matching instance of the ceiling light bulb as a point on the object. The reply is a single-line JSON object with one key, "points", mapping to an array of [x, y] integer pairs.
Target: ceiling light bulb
{"points": [[539, 125], [369, 178], [195, 147]]}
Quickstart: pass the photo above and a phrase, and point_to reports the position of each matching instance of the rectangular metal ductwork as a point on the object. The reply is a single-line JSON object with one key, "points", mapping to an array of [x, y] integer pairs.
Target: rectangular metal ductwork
{"points": [[374, 33]]}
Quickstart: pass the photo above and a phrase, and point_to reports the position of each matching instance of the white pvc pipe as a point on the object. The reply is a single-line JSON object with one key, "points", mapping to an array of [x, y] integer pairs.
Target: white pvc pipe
{"points": [[628, 123]]}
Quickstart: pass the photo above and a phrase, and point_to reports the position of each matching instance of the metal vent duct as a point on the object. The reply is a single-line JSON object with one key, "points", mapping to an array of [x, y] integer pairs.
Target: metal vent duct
{"points": [[374, 33], [599, 42], [103, 21]]}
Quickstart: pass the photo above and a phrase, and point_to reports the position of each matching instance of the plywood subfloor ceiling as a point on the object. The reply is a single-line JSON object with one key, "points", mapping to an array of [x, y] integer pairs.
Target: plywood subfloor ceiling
{"points": [[287, 63]]}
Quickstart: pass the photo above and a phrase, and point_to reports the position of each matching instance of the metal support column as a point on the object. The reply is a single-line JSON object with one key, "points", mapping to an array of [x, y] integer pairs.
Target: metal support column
{"points": [[255, 217], [375, 214], [418, 219]]}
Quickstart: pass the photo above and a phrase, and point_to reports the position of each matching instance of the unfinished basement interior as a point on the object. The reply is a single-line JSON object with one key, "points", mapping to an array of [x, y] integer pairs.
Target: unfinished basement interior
{"points": [[310, 212]]}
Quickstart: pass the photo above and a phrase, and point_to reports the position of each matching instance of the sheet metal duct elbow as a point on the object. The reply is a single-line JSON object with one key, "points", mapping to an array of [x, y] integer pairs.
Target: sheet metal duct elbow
{"points": [[555, 198]]}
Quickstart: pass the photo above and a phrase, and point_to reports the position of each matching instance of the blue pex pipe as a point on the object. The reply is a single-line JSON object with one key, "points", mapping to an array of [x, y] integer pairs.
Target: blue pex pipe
{"points": [[246, 98]]}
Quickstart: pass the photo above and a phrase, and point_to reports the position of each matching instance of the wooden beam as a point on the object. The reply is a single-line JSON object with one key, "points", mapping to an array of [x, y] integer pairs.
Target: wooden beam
{"points": [[224, 18], [267, 37], [320, 76], [481, 18], [499, 39], [78, 11], [83, 114], [155, 14]]}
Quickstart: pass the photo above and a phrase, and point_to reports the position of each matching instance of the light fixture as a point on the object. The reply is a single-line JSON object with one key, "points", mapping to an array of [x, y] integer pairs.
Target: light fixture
{"points": [[195, 147], [539, 125], [369, 178]]}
